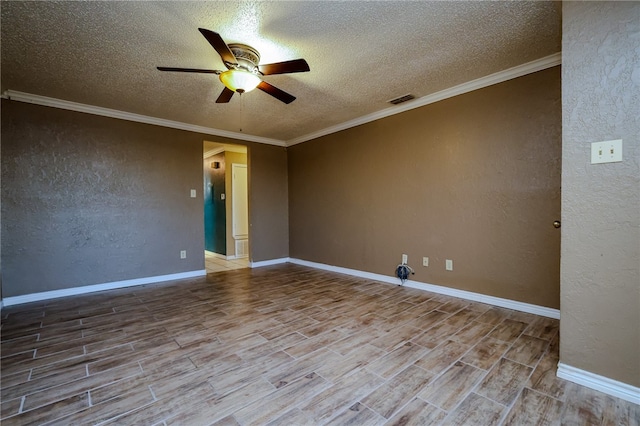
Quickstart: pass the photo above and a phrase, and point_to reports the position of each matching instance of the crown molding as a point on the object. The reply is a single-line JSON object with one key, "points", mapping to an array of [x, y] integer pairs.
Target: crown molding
{"points": [[227, 148], [123, 115], [499, 77], [212, 152]]}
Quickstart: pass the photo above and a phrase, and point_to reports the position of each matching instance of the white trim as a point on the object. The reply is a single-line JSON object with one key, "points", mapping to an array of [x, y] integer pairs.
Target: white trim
{"points": [[240, 149], [462, 294], [74, 291], [269, 262], [212, 152], [499, 77], [129, 116], [217, 255], [600, 383], [222, 256], [238, 189]]}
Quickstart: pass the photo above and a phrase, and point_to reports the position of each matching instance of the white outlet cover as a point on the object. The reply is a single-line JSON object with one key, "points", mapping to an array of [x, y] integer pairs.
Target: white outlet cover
{"points": [[425, 261], [193, 193], [405, 258], [449, 265], [606, 152]]}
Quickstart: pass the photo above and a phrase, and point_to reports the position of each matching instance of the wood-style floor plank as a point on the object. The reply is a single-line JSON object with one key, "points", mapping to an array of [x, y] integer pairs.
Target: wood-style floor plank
{"points": [[533, 408], [476, 410], [356, 415], [395, 393], [504, 381], [286, 345], [449, 389], [418, 413]]}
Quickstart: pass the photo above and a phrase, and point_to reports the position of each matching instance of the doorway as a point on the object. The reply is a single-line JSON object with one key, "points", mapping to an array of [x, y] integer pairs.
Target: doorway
{"points": [[225, 179]]}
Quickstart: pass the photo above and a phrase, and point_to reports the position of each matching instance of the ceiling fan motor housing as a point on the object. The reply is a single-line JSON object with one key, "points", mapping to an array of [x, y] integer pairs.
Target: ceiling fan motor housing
{"points": [[248, 58], [243, 72]]}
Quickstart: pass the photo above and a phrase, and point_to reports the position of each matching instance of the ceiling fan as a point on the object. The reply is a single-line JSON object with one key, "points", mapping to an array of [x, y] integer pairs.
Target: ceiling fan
{"points": [[243, 72]]}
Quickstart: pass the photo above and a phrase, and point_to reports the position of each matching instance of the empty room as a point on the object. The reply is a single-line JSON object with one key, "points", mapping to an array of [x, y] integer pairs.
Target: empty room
{"points": [[320, 213]]}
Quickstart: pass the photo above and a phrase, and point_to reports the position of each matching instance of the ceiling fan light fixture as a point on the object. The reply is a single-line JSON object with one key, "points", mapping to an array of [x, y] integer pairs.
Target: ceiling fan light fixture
{"points": [[239, 81]]}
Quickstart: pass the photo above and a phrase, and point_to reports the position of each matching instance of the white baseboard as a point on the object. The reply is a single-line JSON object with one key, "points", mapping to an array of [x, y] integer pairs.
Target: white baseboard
{"points": [[219, 256], [468, 295], [268, 262], [223, 257], [74, 291], [599, 383]]}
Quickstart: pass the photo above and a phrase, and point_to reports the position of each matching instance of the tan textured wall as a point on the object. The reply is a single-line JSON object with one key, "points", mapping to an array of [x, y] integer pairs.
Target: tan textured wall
{"points": [[89, 199], [268, 202], [600, 279], [79, 195], [231, 158], [474, 178]]}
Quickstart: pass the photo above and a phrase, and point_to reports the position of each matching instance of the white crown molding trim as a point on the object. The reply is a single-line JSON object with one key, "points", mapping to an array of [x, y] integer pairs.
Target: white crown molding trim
{"points": [[212, 152], [269, 262], [599, 383], [499, 77], [122, 115], [227, 148], [462, 294], [54, 294]]}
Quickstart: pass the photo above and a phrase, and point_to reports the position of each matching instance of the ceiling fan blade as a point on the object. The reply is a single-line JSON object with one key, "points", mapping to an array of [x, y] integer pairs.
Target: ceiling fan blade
{"points": [[225, 96], [295, 65], [276, 93], [189, 70], [218, 43]]}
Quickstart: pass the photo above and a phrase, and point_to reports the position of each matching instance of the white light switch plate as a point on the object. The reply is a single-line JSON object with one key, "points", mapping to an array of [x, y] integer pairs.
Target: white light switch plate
{"points": [[606, 152], [193, 193]]}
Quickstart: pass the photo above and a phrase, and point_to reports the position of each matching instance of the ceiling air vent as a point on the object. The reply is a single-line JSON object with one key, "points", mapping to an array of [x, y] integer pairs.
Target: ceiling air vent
{"points": [[401, 99]]}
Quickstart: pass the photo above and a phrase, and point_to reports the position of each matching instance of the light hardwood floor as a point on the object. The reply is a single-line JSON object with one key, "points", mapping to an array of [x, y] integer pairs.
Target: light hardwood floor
{"points": [[286, 345]]}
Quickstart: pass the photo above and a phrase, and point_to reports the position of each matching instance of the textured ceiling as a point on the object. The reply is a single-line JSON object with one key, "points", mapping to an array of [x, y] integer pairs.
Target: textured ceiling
{"points": [[361, 55]]}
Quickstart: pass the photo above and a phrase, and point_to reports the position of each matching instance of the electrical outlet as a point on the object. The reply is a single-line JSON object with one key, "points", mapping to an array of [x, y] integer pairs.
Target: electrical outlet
{"points": [[449, 265], [425, 261], [183, 254], [193, 193], [405, 258], [606, 152]]}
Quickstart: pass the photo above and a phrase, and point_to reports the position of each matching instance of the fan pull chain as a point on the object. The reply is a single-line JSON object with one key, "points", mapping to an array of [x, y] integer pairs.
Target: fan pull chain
{"points": [[241, 109]]}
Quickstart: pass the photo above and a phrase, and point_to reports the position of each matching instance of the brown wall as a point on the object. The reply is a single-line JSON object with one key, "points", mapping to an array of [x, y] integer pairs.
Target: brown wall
{"points": [[89, 199], [600, 327], [474, 178], [268, 203]]}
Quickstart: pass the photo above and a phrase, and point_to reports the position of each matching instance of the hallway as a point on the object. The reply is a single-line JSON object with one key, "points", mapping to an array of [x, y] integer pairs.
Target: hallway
{"points": [[213, 263]]}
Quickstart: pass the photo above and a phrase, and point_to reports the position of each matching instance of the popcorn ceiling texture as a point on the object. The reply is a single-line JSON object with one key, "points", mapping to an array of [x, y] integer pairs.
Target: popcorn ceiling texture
{"points": [[361, 54], [600, 260]]}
